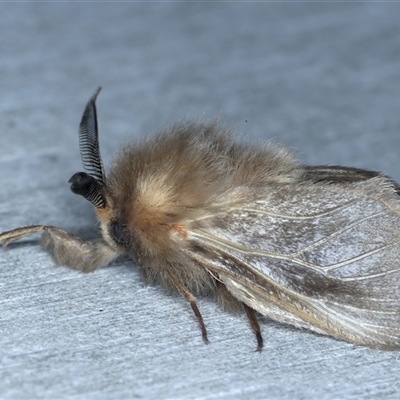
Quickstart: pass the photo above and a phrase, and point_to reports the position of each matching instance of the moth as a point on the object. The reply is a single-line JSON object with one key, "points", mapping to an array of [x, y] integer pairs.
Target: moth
{"points": [[317, 247]]}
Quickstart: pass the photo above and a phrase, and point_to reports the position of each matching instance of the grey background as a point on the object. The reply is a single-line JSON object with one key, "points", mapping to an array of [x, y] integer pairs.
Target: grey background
{"points": [[321, 78]]}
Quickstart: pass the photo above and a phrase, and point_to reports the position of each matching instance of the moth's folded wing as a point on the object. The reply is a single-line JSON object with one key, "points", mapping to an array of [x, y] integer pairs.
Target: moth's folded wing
{"points": [[319, 256]]}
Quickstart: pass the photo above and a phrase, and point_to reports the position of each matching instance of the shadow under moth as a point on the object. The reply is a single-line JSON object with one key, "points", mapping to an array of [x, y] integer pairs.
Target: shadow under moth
{"points": [[317, 247]]}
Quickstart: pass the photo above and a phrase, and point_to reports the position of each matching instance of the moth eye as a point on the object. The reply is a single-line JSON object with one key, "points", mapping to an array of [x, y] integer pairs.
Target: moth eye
{"points": [[117, 233]]}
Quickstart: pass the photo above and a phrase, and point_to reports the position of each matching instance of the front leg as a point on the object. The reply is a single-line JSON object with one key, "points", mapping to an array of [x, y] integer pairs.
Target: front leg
{"points": [[67, 249]]}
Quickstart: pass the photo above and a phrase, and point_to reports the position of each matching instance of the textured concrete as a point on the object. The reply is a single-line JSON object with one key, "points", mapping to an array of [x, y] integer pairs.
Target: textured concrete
{"points": [[322, 78]]}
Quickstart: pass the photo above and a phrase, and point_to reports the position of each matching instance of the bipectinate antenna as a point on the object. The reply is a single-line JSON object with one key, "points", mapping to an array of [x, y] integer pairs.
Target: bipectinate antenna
{"points": [[90, 185]]}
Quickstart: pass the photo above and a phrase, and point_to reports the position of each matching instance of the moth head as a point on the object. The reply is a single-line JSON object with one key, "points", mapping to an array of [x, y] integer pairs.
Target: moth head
{"points": [[92, 184]]}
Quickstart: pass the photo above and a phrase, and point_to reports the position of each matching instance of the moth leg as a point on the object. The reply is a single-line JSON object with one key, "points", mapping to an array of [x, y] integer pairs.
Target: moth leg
{"points": [[67, 249], [255, 326], [192, 301], [19, 233]]}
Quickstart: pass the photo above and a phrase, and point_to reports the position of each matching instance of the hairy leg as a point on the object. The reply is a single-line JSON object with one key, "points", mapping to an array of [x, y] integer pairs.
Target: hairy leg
{"points": [[67, 249]]}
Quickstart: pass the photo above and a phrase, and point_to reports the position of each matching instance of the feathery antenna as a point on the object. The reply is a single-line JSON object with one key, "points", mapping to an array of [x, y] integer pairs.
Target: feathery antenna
{"points": [[89, 141]]}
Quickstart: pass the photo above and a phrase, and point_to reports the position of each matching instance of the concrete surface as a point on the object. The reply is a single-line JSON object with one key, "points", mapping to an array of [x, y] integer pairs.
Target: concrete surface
{"points": [[322, 78]]}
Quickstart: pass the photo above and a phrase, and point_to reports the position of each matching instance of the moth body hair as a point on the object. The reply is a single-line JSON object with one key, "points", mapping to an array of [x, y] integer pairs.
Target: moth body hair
{"points": [[156, 187], [200, 213]]}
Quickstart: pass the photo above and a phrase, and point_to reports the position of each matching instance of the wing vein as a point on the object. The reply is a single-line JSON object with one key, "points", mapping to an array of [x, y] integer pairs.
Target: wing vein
{"points": [[219, 243], [335, 234], [360, 257], [297, 217]]}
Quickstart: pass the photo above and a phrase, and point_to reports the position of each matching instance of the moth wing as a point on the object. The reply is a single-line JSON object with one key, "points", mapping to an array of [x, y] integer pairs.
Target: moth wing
{"points": [[318, 256]]}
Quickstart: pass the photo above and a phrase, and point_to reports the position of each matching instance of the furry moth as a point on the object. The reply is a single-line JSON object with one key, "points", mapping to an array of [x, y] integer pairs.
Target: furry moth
{"points": [[317, 247]]}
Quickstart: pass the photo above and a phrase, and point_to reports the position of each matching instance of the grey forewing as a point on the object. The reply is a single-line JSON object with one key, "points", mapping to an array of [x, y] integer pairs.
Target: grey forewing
{"points": [[333, 250]]}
